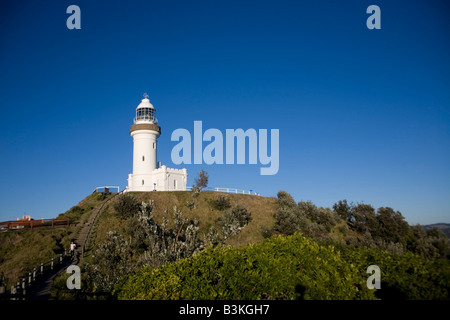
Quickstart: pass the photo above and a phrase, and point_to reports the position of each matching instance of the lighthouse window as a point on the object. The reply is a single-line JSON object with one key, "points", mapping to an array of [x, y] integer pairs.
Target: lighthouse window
{"points": [[143, 158], [153, 145], [145, 114], [142, 182]]}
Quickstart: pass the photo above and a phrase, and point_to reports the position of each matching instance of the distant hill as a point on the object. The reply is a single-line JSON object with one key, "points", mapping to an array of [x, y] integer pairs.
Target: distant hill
{"points": [[444, 227]]}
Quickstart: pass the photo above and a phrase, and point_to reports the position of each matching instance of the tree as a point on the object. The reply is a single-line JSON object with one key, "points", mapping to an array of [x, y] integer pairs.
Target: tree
{"points": [[202, 181], [364, 218], [343, 209], [392, 225], [440, 241], [289, 217], [419, 242], [285, 199]]}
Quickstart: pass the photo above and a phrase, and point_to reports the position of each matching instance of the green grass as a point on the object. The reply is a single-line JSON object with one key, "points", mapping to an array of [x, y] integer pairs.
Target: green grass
{"points": [[21, 251]]}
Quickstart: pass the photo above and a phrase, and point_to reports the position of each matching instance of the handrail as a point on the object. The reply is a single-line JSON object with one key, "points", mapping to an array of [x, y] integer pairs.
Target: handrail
{"points": [[20, 289], [226, 190], [93, 222]]}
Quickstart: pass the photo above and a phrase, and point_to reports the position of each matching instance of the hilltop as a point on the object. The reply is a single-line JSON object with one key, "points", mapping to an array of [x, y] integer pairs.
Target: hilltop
{"points": [[200, 208]]}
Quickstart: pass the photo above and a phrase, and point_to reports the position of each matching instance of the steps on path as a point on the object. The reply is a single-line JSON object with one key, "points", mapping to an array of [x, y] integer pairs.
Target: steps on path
{"points": [[42, 289]]}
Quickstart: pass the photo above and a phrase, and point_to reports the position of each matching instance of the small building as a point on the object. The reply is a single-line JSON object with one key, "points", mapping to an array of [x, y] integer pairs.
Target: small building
{"points": [[25, 218]]}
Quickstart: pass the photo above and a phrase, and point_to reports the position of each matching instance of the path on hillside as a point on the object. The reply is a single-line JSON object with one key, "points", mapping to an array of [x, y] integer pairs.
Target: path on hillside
{"points": [[41, 291]]}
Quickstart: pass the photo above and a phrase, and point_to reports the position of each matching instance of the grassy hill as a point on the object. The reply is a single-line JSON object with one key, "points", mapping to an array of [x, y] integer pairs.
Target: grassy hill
{"points": [[118, 243], [21, 251], [261, 209]]}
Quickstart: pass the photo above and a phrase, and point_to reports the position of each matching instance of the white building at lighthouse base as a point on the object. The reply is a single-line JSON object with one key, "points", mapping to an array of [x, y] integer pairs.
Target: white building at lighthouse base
{"points": [[160, 179]]}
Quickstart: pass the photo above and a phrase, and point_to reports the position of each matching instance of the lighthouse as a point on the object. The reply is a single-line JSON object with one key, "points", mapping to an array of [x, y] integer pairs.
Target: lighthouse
{"points": [[148, 174]]}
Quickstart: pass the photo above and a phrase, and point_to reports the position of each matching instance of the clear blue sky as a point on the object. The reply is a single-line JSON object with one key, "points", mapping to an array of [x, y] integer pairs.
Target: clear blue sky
{"points": [[364, 115]]}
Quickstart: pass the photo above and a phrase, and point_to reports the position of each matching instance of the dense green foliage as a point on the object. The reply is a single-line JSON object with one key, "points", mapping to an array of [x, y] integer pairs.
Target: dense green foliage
{"points": [[403, 276], [357, 225], [278, 268], [288, 268], [292, 267]]}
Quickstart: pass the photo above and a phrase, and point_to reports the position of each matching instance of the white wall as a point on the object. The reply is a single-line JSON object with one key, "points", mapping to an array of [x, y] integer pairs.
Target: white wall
{"points": [[166, 179], [144, 151]]}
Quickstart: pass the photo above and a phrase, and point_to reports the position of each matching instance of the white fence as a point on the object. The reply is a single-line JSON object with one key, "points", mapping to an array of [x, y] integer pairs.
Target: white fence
{"points": [[228, 190]]}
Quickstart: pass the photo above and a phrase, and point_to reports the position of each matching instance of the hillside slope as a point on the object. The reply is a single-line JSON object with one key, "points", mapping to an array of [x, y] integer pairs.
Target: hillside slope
{"points": [[22, 250], [261, 209]]}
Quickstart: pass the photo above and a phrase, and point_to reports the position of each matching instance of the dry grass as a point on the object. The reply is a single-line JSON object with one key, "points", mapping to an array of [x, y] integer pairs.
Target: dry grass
{"points": [[261, 208]]}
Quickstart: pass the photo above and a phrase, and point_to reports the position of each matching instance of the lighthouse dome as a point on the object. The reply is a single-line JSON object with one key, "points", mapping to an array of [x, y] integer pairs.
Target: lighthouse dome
{"points": [[145, 112], [145, 103]]}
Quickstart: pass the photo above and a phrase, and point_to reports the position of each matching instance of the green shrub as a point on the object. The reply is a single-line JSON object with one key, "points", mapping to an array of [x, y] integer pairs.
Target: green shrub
{"points": [[291, 267], [291, 218], [126, 205], [403, 276], [221, 202], [190, 205], [195, 191]]}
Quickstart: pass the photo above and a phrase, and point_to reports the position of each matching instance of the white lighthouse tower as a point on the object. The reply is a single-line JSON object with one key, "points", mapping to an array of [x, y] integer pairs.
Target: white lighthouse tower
{"points": [[147, 174]]}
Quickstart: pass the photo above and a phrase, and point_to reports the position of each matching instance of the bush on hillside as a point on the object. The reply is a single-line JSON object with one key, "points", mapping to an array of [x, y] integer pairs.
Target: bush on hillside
{"points": [[221, 202], [289, 218], [126, 205], [278, 268], [234, 220], [292, 267], [111, 261], [403, 276]]}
